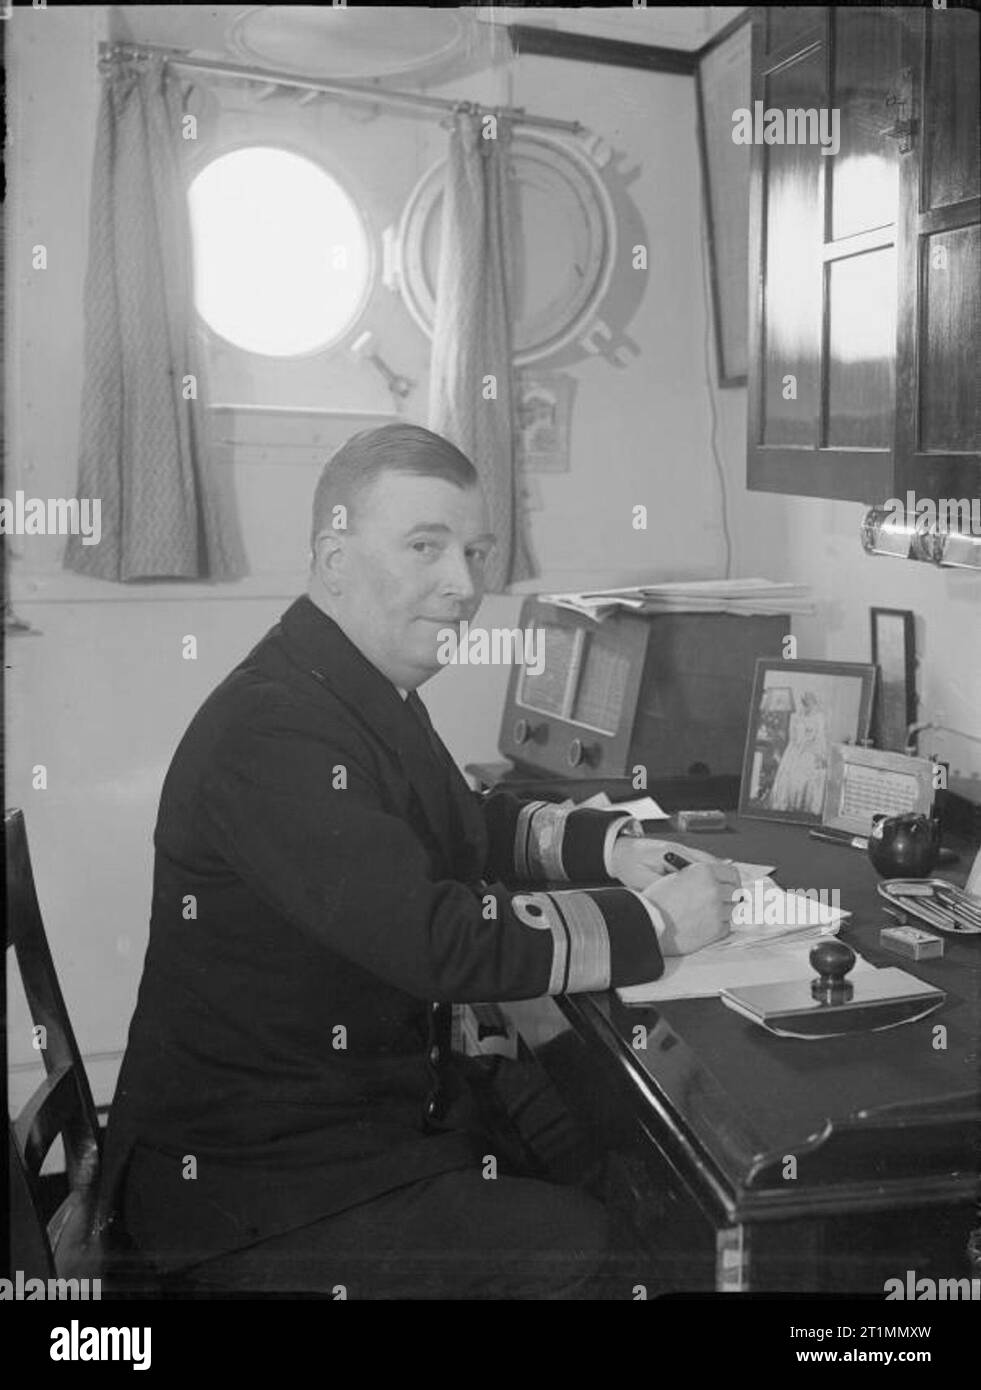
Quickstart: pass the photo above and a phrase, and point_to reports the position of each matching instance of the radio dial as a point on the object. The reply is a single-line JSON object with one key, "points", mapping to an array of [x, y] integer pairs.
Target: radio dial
{"points": [[522, 731], [580, 752]]}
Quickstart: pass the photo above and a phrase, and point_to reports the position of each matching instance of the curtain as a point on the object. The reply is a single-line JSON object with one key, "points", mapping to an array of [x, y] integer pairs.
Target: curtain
{"points": [[472, 332], [143, 450]]}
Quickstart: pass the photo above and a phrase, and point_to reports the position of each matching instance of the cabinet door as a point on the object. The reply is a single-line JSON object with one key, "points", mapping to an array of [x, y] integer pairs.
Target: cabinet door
{"points": [[938, 438], [823, 246]]}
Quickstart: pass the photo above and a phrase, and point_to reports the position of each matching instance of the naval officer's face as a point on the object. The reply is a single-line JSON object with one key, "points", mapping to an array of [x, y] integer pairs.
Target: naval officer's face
{"points": [[413, 564]]}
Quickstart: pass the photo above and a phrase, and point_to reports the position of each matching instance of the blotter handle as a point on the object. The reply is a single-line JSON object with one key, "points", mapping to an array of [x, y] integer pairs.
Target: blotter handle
{"points": [[832, 960]]}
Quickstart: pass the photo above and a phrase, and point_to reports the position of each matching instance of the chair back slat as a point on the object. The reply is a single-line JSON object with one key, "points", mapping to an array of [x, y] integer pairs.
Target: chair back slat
{"points": [[62, 1104], [30, 1248], [54, 1110], [26, 934]]}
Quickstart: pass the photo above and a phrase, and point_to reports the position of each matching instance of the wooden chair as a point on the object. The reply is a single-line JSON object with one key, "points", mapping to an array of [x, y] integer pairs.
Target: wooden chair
{"points": [[67, 1244]]}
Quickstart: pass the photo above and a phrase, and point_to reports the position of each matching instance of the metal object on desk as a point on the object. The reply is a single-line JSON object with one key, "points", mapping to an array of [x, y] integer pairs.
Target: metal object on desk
{"points": [[936, 902], [841, 837]]}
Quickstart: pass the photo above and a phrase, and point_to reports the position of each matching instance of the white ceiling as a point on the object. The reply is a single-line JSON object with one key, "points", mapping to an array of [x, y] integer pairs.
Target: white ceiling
{"points": [[358, 41], [383, 41]]}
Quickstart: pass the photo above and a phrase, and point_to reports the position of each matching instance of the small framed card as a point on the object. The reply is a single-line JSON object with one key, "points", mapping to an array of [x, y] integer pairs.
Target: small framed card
{"points": [[862, 782]]}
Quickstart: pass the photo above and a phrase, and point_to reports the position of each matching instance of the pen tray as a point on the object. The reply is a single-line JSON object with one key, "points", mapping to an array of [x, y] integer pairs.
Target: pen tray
{"points": [[892, 890]]}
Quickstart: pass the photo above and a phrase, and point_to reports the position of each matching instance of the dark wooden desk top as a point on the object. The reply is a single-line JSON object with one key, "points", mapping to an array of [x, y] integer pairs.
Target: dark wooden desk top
{"points": [[877, 1119]]}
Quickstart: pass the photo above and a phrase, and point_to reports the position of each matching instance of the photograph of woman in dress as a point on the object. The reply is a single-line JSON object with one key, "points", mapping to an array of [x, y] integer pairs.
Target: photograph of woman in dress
{"points": [[799, 709], [799, 782]]}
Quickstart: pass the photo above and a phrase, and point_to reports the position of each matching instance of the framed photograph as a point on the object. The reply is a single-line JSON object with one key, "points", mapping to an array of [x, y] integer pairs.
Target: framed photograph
{"points": [[723, 85], [798, 710], [893, 652]]}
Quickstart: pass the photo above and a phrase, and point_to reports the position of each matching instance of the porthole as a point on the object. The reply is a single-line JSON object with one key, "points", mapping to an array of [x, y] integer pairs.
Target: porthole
{"points": [[564, 241], [282, 258]]}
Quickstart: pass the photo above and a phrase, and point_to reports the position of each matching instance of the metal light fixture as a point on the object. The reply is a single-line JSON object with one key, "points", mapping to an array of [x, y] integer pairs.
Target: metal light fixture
{"points": [[888, 531]]}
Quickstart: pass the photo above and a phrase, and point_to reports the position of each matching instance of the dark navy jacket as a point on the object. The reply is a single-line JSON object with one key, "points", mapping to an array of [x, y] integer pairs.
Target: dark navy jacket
{"points": [[323, 876]]}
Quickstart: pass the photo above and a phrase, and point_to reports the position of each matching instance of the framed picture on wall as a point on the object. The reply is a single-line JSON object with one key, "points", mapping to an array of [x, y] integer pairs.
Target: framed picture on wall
{"points": [[722, 84], [892, 641], [798, 710]]}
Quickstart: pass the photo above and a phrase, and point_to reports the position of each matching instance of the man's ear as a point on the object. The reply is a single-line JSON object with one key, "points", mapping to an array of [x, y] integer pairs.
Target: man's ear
{"points": [[329, 561]]}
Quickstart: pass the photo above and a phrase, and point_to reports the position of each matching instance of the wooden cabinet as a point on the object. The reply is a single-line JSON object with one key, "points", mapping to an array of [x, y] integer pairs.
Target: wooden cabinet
{"points": [[938, 418], [864, 254]]}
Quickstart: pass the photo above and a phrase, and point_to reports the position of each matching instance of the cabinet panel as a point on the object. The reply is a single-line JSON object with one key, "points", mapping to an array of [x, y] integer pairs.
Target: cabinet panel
{"points": [[792, 282], [861, 350], [938, 429], [951, 125], [865, 172], [950, 408]]}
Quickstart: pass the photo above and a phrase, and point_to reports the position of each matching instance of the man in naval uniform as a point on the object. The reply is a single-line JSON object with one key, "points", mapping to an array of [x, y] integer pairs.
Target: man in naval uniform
{"points": [[288, 1115]]}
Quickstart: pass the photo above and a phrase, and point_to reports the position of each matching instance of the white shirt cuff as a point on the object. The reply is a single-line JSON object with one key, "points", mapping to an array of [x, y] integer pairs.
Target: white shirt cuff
{"points": [[629, 824]]}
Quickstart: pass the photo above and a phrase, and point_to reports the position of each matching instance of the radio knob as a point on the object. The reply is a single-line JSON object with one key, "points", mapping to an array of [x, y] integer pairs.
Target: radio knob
{"points": [[522, 731], [579, 752]]}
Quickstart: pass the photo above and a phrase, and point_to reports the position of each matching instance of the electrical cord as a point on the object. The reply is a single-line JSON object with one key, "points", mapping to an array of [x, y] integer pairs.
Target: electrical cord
{"points": [[717, 462]]}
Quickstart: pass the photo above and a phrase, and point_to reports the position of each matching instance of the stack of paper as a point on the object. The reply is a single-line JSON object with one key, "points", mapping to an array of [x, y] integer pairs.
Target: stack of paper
{"points": [[641, 807], [706, 973], [740, 596], [771, 939], [769, 913]]}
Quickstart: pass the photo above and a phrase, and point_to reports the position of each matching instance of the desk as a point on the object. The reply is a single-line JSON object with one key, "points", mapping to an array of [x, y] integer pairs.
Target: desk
{"points": [[781, 1164]]}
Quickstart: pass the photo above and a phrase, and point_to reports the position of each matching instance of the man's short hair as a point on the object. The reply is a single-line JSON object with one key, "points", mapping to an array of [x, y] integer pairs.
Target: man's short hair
{"points": [[349, 473]]}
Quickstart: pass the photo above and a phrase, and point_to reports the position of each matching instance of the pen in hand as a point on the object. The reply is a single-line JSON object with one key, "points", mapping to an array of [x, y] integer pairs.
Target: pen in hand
{"points": [[710, 899], [678, 861]]}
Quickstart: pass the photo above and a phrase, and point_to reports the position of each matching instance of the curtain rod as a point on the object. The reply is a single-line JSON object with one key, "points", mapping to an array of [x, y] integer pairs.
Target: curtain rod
{"points": [[358, 91]]}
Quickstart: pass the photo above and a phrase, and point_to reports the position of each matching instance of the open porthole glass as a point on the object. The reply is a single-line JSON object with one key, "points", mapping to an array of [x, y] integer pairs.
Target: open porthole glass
{"points": [[282, 259]]}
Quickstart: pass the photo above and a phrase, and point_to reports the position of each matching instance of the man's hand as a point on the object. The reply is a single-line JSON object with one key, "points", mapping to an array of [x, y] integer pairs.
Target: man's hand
{"points": [[696, 904], [638, 862]]}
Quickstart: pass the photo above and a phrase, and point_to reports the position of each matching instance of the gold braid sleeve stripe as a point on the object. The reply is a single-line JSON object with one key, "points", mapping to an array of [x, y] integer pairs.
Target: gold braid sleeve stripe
{"points": [[589, 942], [545, 841], [522, 839]]}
